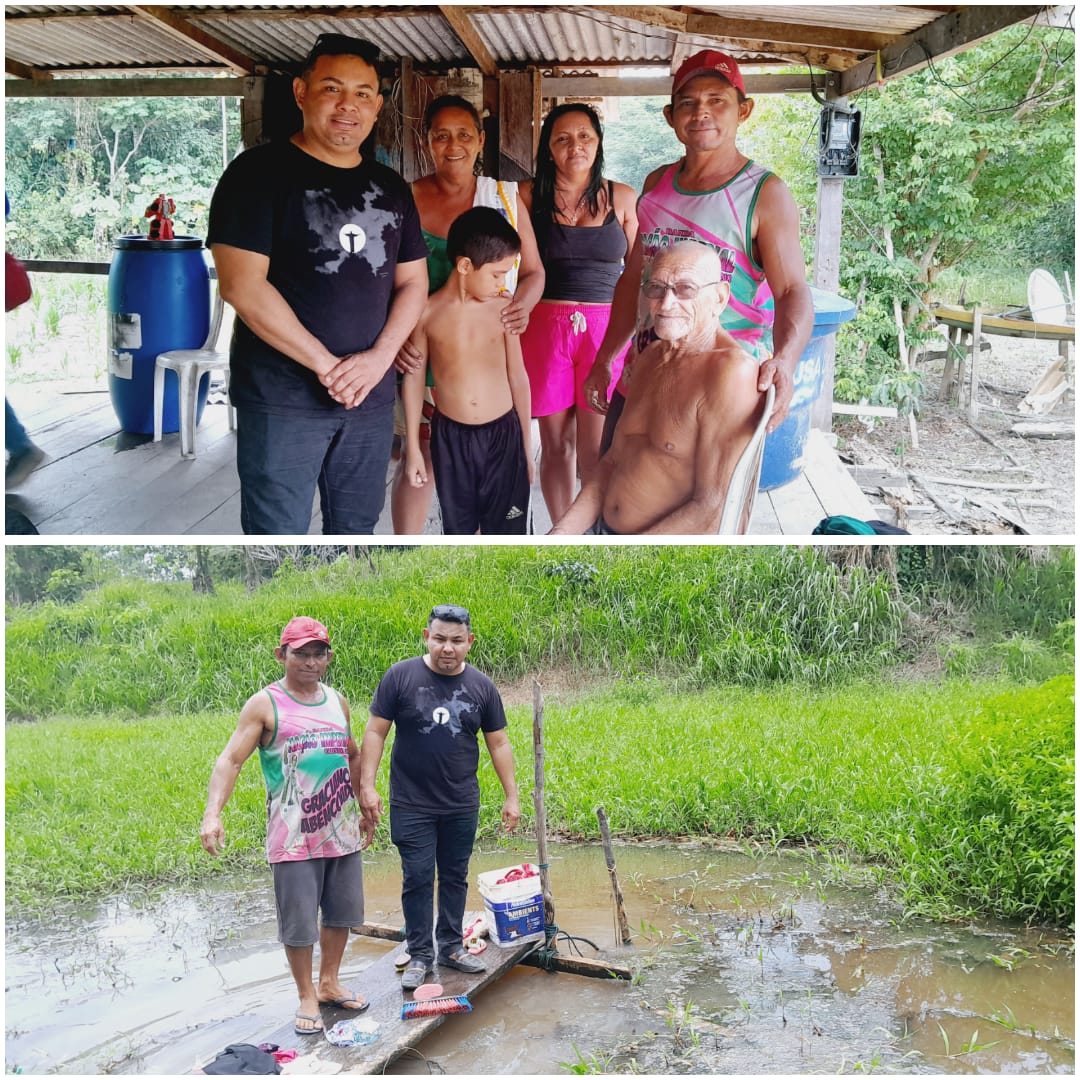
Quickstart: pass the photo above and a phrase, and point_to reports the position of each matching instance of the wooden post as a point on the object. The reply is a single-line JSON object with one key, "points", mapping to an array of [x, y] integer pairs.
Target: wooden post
{"points": [[905, 363], [976, 345], [830, 205], [412, 109], [538, 804], [519, 122], [616, 891], [251, 111], [952, 343]]}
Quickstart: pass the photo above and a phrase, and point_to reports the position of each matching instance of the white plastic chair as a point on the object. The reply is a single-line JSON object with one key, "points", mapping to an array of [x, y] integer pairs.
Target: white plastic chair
{"points": [[190, 366], [742, 491]]}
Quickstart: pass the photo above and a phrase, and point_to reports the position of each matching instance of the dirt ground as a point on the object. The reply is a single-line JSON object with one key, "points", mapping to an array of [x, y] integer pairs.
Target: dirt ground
{"points": [[1029, 483]]}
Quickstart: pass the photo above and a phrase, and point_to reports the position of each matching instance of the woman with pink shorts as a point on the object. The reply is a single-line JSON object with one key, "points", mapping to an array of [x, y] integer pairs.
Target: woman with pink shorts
{"points": [[584, 227]]}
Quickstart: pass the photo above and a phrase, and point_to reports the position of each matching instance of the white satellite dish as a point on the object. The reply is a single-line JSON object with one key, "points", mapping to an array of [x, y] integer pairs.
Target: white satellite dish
{"points": [[1045, 298]]}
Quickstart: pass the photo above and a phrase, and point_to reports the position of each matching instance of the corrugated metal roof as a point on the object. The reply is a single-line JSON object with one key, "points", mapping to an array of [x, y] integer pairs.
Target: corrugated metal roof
{"points": [[52, 38], [565, 36]]}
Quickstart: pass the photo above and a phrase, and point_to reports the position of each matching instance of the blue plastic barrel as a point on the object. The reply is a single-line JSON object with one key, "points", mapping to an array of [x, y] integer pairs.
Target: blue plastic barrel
{"points": [[159, 299], [785, 448]]}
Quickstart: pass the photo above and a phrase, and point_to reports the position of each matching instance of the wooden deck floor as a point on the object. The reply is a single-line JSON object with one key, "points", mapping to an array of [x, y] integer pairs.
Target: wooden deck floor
{"points": [[381, 985], [100, 481]]}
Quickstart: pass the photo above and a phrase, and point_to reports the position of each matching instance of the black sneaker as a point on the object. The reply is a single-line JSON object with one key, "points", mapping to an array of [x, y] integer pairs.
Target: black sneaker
{"points": [[463, 961]]}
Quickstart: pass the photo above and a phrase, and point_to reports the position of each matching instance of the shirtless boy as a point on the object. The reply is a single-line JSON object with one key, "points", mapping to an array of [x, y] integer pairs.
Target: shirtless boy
{"points": [[691, 407], [480, 431]]}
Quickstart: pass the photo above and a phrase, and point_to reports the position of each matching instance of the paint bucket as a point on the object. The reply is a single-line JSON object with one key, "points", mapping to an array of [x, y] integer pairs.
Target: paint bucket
{"points": [[159, 299], [785, 448], [514, 910]]}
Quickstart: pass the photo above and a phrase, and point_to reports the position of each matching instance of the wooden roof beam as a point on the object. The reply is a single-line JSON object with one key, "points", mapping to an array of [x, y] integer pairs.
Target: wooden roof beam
{"points": [[129, 87], [952, 33], [461, 24], [787, 44], [176, 26], [779, 35], [664, 18], [768, 52], [755, 34], [25, 71]]}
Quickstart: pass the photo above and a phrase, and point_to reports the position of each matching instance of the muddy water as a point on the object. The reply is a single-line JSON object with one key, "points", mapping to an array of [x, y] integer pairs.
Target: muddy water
{"points": [[743, 966]]}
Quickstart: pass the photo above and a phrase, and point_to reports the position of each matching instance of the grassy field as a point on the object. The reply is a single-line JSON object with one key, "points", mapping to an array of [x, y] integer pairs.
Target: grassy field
{"points": [[962, 792], [707, 614], [918, 717]]}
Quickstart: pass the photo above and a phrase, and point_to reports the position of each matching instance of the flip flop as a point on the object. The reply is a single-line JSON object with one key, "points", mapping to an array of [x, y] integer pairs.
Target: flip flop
{"points": [[317, 1020], [343, 1002]]}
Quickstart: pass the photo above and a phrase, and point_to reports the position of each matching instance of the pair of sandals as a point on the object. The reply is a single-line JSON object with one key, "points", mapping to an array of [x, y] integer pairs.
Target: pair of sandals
{"points": [[348, 1002]]}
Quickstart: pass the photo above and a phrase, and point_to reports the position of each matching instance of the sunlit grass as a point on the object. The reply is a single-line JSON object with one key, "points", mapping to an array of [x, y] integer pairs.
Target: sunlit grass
{"points": [[962, 791], [749, 615]]}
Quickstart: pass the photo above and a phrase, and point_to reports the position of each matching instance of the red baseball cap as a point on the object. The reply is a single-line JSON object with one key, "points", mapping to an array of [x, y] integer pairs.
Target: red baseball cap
{"points": [[709, 62], [301, 630]]}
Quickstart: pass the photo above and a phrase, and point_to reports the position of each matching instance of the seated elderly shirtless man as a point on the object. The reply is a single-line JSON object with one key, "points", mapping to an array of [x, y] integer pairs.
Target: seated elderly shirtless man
{"points": [[691, 405]]}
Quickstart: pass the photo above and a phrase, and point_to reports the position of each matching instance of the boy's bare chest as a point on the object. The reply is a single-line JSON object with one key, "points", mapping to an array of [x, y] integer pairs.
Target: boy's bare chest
{"points": [[477, 333]]}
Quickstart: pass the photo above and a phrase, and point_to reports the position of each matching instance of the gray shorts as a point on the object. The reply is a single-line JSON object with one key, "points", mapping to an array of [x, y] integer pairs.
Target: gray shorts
{"points": [[302, 888]]}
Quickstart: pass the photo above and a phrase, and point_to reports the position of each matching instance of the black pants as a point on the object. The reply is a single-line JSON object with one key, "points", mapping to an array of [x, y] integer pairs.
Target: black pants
{"points": [[426, 843]]}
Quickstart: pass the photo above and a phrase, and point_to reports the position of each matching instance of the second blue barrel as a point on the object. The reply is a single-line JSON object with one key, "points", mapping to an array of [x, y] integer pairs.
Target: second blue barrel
{"points": [[782, 460], [159, 299]]}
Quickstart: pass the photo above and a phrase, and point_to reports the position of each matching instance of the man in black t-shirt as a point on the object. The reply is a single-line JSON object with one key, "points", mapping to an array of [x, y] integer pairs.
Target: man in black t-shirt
{"points": [[320, 252], [439, 704]]}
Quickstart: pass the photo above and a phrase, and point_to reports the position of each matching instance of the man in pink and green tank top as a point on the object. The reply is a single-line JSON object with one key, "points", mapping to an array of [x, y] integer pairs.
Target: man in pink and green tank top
{"points": [[718, 196], [315, 832]]}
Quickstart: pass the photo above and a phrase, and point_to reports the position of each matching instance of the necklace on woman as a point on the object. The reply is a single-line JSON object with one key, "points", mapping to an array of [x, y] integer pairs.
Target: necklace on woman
{"points": [[571, 215]]}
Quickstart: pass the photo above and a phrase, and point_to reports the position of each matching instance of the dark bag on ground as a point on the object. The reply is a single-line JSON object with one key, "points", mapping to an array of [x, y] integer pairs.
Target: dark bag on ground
{"points": [[16, 282], [243, 1059], [841, 525]]}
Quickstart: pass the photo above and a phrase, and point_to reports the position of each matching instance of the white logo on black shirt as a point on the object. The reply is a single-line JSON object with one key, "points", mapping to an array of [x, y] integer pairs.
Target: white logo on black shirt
{"points": [[441, 715], [352, 238]]}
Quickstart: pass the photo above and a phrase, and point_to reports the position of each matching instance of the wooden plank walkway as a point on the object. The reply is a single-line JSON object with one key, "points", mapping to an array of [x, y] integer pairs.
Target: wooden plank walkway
{"points": [[380, 983], [100, 481]]}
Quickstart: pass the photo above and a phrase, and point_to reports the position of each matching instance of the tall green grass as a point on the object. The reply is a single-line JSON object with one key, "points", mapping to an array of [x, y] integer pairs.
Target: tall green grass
{"points": [[703, 614], [962, 793], [738, 702]]}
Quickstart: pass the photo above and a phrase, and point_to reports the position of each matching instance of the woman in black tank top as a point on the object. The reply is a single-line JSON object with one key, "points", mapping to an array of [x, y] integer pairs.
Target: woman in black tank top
{"points": [[585, 225]]}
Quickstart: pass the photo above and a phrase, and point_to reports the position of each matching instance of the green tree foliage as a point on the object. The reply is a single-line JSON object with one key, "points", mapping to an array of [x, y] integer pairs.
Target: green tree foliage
{"points": [[960, 162], [638, 141], [28, 572], [80, 172]]}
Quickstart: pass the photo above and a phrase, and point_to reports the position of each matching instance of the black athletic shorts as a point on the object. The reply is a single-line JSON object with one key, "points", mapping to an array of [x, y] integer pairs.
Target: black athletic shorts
{"points": [[601, 528], [481, 476]]}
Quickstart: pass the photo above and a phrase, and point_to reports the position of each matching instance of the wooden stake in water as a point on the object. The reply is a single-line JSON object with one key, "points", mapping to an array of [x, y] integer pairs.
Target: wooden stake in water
{"points": [[538, 803], [623, 927]]}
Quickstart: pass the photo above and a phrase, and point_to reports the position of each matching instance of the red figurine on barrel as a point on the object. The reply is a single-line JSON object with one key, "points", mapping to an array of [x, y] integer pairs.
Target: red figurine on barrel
{"points": [[160, 212]]}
